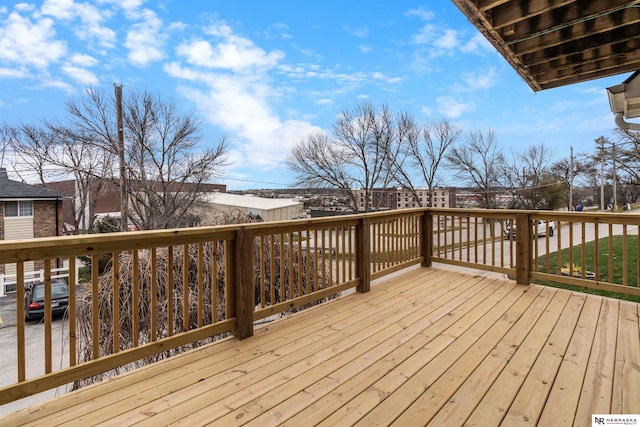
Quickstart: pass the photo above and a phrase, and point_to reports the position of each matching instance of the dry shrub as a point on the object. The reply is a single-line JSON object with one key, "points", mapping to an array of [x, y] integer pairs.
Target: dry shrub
{"points": [[128, 337]]}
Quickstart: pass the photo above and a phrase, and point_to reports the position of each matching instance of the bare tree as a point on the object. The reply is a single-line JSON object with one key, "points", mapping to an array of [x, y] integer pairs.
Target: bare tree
{"points": [[87, 164], [52, 155], [32, 146], [529, 179], [478, 162], [598, 172], [363, 149], [166, 164], [628, 163], [166, 168], [424, 151], [7, 135], [582, 177]]}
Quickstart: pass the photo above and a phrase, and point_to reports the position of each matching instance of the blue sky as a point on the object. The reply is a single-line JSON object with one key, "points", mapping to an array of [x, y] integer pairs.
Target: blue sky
{"points": [[266, 74]]}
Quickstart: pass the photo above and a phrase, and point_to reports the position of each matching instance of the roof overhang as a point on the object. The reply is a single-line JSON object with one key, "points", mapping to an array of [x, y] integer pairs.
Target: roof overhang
{"points": [[624, 100], [552, 43]]}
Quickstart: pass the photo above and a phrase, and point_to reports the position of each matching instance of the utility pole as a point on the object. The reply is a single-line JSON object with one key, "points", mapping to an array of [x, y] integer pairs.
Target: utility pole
{"points": [[615, 195], [571, 181], [123, 181], [602, 202]]}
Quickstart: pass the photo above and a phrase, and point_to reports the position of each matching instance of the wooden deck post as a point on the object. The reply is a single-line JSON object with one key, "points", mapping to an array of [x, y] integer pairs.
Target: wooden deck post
{"points": [[363, 255], [523, 248], [243, 283], [426, 238]]}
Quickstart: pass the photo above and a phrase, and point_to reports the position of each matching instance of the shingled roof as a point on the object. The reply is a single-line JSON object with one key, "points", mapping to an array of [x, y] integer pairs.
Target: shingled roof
{"points": [[12, 190]]}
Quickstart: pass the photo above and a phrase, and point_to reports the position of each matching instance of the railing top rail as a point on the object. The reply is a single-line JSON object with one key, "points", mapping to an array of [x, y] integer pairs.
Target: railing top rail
{"points": [[12, 251], [484, 213], [64, 246], [601, 217], [597, 217]]}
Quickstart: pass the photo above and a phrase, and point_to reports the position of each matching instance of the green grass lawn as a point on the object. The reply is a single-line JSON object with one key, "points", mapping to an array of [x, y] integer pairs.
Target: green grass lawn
{"points": [[603, 264]]}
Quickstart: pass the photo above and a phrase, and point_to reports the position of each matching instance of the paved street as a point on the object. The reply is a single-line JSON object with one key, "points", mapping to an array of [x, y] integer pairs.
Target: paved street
{"points": [[34, 332]]}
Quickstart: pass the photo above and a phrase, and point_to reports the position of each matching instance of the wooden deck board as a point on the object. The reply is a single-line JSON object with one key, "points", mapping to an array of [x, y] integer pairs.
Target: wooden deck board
{"points": [[570, 377], [532, 396], [459, 405], [429, 339], [427, 346], [408, 392], [598, 381], [495, 403], [626, 382]]}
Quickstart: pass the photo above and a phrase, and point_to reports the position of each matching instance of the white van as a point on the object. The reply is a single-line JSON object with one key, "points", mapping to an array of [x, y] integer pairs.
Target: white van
{"points": [[510, 229]]}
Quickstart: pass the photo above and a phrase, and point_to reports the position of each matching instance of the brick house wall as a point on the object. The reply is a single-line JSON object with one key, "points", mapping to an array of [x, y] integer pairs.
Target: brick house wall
{"points": [[44, 224], [44, 218]]}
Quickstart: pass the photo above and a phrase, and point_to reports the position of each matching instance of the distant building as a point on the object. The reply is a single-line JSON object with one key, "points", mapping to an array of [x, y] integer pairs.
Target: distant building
{"points": [[267, 209], [400, 198], [26, 212]]}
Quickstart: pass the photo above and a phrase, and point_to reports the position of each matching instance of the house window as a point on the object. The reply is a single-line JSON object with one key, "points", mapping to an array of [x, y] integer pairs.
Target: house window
{"points": [[18, 208]]}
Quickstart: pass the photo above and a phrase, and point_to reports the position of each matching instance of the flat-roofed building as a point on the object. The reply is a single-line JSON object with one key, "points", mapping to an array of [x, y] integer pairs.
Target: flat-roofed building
{"points": [[267, 209]]}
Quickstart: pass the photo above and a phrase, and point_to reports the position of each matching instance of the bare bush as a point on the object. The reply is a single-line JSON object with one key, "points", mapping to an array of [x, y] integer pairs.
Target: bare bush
{"points": [[164, 298]]}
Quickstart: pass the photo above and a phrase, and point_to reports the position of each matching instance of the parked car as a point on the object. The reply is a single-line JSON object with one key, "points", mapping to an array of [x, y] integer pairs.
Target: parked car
{"points": [[510, 229], [34, 299]]}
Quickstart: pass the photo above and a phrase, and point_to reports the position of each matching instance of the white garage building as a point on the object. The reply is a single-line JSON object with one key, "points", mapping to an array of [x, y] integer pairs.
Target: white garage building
{"points": [[267, 209]]}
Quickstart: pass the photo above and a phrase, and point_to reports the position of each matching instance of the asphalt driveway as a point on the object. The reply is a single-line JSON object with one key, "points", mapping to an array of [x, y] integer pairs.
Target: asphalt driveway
{"points": [[8, 310]]}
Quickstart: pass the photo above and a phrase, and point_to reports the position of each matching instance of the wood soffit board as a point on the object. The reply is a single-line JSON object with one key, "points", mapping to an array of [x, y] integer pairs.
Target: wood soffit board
{"points": [[553, 43]]}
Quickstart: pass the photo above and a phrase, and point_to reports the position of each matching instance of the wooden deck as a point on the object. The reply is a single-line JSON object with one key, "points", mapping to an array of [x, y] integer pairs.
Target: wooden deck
{"points": [[428, 346]]}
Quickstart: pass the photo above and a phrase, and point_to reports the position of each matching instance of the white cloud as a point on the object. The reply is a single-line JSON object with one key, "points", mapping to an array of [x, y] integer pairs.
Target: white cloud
{"points": [[360, 32], [425, 35], [229, 80], [427, 111], [178, 26], [91, 19], [325, 101], [436, 40], [421, 13], [24, 7], [452, 108], [61, 9], [228, 52], [30, 43], [81, 75], [145, 40], [57, 84], [129, 6], [83, 60], [13, 73], [476, 43], [364, 49], [278, 30], [478, 80], [263, 140], [386, 79], [448, 40], [347, 82]]}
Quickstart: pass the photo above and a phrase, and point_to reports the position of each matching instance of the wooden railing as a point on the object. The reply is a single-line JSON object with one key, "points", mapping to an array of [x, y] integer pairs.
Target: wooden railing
{"points": [[572, 248], [151, 294]]}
